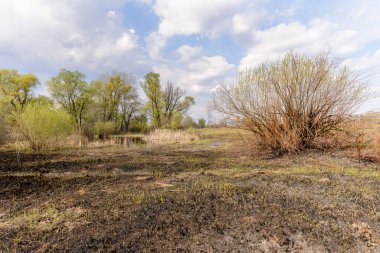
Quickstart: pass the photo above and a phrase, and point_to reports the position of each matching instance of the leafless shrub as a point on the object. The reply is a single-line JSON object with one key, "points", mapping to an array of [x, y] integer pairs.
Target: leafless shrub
{"points": [[292, 102]]}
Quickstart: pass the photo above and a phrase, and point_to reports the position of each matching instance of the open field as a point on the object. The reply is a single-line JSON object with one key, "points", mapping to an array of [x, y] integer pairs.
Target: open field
{"points": [[213, 195]]}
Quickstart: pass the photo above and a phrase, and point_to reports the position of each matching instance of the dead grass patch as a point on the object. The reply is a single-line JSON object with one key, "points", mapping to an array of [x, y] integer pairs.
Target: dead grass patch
{"points": [[167, 136]]}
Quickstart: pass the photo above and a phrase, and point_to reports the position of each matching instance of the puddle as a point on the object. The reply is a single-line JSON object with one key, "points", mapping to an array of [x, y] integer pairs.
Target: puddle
{"points": [[216, 144]]}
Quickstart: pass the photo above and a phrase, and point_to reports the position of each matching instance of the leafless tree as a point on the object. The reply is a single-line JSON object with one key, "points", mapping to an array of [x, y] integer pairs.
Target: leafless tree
{"points": [[129, 106], [172, 100], [171, 97], [291, 102]]}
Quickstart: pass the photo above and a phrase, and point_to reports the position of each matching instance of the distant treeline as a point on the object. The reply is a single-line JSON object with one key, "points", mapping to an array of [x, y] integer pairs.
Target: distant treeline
{"points": [[96, 109]]}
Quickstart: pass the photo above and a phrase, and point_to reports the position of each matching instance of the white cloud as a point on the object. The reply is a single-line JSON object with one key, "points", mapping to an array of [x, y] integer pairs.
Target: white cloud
{"points": [[207, 68], [72, 34], [196, 74], [242, 23], [127, 41], [368, 66], [316, 36], [245, 24], [154, 43], [187, 53], [111, 14], [365, 62], [197, 17], [187, 17]]}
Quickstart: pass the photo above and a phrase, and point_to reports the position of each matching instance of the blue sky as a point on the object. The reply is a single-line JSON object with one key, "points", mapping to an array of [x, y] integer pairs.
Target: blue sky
{"points": [[196, 44]]}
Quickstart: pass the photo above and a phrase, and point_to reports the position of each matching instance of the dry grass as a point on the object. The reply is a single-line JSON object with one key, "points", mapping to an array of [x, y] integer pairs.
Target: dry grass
{"points": [[376, 143], [167, 136], [367, 132]]}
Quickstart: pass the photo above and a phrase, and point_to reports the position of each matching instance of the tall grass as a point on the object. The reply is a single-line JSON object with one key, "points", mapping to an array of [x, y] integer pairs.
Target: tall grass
{"points": [[167, 136], [375, 142], [367, 132]]}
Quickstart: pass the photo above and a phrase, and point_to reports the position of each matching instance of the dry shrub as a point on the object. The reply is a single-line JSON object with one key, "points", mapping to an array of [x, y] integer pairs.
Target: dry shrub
{"points": [[75, 138], [292, 103], [336, 140], [363, 135], [167, 136], [371, 136]]}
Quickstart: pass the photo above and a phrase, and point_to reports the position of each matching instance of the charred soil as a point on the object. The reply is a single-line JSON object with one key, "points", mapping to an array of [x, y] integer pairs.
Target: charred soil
{"points": [[196, 197]]}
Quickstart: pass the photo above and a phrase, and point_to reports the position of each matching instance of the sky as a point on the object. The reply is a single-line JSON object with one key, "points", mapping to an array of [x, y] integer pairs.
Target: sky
{"points": [[196, 44]]}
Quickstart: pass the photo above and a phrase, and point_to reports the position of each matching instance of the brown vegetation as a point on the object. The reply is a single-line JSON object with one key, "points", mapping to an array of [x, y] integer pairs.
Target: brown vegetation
{"points": [[291, 103], [167, 136]]}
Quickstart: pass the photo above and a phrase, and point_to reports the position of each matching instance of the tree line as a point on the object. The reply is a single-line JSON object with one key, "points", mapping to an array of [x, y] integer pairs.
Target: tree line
{"points": [[295, 103], [96, 109]]}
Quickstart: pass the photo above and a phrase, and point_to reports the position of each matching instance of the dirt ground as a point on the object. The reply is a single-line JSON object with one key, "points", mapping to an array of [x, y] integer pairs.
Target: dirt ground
{"points": [[215, 195]]}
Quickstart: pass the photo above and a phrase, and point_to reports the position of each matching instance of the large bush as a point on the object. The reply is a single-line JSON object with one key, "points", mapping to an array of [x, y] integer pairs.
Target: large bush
{"points": [[290, 103], [44, 126]]}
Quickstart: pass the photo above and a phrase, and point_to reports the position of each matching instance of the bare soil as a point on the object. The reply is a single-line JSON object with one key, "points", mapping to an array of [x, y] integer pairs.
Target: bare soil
{"points": [[217, 195]]}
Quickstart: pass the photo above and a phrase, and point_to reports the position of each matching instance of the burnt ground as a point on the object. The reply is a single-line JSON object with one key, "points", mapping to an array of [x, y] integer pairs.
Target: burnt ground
{"points": [[216, 195]]}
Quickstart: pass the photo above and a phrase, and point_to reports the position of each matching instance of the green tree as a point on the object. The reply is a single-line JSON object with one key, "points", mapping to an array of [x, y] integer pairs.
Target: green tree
{"points": [[42, 100], [185, 104], [103, 129], [177, 118], [71, 91], [201, 123], [139, 123], [188, 122], [15, 89], [152, 88], [115, 98]]}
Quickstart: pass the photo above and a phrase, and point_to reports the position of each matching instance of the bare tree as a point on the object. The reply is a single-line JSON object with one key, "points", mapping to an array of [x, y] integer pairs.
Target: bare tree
{"points": [[173, 101], [171, 97], [129, 106], [291, 102]]}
